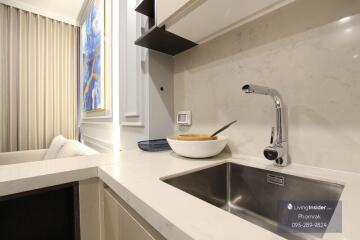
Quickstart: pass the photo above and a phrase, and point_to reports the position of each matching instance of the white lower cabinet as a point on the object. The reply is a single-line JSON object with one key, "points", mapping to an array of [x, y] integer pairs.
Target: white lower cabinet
{"points": [[122, 223]]}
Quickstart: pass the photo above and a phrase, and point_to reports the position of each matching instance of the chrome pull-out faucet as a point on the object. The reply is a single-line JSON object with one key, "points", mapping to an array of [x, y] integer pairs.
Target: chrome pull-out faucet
{"points": [[278, 150]]}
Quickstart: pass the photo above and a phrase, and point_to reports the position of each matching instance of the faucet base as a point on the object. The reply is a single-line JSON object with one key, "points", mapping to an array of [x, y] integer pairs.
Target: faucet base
{"points": [[280, 163], [278, 154]]}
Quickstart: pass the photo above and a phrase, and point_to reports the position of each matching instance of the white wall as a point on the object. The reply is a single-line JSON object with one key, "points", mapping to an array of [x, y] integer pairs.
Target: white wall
{"points": [[305, 53], [139, 110], [155, 121], [146, 112], [161, 92]]}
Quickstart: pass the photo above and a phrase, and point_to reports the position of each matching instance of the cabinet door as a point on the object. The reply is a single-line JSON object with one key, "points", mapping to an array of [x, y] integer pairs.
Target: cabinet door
{"points": [[111, 217], [130, 228], [203, 20], [123, 223], [89, 198]]}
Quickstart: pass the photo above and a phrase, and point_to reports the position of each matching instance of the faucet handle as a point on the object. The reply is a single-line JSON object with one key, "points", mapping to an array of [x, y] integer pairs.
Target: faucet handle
{"points": [[272, 135]]}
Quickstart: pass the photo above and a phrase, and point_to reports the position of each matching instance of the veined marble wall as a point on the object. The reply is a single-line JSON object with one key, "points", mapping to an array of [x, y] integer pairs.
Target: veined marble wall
{"points": [[304, 51]]}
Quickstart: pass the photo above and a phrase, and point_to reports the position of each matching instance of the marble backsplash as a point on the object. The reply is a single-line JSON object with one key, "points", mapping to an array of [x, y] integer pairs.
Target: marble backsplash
{"points": [[310, 53]]}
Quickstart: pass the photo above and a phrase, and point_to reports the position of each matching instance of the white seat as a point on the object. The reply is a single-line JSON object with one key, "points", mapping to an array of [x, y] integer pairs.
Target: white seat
{"points": [[60, 147]]}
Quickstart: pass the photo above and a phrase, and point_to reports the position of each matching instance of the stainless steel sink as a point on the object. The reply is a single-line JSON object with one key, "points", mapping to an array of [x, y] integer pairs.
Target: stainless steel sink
{"points": [[254, 194]]}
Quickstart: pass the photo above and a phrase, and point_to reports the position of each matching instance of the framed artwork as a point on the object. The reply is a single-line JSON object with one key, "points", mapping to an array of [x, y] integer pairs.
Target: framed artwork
{"points": [[92, 54]]}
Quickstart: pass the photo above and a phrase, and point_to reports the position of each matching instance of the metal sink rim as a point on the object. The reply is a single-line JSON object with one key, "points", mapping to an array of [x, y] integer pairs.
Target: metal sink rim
{"points": [[323, 190]]}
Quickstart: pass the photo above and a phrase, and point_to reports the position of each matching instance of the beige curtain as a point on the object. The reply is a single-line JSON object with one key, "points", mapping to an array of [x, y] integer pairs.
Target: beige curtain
{"points": [[38, 80]]}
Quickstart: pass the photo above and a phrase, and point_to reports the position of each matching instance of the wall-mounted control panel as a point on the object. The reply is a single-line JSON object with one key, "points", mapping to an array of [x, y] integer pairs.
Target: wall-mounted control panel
{"points": [[184, 118]]}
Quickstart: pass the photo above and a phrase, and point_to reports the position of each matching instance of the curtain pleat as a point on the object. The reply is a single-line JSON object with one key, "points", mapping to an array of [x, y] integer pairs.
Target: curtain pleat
{"points": [[38, 80], [4, 44], [13, 57]]}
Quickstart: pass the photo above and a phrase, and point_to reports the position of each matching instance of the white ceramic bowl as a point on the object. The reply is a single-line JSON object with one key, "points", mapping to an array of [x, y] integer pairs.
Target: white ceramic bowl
{"points": [[198, 149]]}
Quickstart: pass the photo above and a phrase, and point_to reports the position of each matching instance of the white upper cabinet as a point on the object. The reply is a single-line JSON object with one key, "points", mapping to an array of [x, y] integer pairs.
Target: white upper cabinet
{"points": [[201, 20], [168, 8]]}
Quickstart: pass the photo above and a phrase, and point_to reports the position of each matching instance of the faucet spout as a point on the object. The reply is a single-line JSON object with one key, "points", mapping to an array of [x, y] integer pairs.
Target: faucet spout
{"points": [[280, 143]]}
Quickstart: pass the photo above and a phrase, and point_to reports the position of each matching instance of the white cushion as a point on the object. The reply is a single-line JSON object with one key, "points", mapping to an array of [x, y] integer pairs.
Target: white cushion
{"points": [[73, 149], [57, 143]]}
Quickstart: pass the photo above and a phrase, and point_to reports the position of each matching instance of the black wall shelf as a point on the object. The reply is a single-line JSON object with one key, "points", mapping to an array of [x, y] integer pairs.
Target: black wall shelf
{"points": [[159, 39], [146, 7], [163, 41]]}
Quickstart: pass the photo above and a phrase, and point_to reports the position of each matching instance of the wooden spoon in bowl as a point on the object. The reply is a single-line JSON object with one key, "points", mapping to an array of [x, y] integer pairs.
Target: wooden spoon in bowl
{"points": [[223, 128]]}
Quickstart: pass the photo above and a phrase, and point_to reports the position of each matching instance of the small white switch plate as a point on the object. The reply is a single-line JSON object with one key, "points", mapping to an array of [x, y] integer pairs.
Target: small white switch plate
{"points": [[184, 118]]}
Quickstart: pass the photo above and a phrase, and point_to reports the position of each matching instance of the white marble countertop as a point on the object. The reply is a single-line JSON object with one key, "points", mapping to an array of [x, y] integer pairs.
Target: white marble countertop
{"points": [[135, 176]]}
